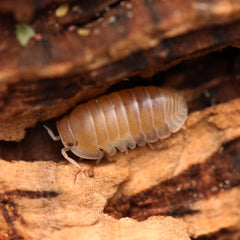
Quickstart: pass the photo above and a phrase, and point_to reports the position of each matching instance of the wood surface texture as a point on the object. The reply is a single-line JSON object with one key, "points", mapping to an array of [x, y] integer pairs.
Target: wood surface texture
{"points": [[187, 187], [71, 60]]}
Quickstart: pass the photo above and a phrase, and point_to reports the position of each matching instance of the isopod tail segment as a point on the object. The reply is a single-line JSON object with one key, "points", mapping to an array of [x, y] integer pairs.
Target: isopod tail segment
{"points": [[65, 149]]}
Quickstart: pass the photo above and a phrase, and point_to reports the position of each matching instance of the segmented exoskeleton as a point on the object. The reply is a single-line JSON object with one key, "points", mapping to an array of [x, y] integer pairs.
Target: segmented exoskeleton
{"points": [[121, 120]]}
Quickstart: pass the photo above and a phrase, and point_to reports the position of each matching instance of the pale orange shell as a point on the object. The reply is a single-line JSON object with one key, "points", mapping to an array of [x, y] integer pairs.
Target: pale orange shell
{"points": [[122, 120]]}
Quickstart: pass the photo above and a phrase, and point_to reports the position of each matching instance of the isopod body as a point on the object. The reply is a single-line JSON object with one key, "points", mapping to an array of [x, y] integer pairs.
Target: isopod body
{"points": [[121, 120]]}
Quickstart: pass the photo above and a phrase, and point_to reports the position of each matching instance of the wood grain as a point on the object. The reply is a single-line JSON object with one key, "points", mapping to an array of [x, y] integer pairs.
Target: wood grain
{"points": [[61, 66], [188, 187]]}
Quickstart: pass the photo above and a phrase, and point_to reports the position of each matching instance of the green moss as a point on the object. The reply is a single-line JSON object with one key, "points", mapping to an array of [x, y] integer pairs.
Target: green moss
{"points": [[24, 33]]}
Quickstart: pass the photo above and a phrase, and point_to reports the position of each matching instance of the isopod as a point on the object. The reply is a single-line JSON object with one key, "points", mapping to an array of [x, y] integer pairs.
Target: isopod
{"points": [[120, 120]]}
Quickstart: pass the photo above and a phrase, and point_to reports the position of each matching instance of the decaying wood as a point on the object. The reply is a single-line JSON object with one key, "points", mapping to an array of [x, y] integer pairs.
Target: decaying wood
{"points": [[83, 11], [188, 187], [71, 59]]}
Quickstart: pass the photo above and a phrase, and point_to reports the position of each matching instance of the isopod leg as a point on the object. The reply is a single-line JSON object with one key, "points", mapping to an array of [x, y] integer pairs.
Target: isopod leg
{"points": [[109, 159], [50, 132], [98, 161], [64, 153], [151, 146]]}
